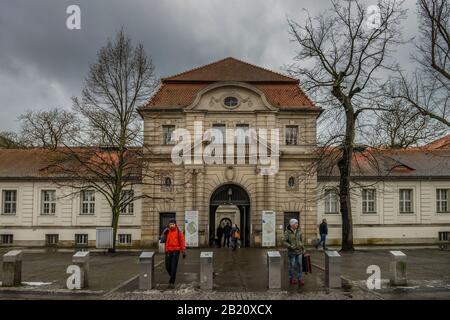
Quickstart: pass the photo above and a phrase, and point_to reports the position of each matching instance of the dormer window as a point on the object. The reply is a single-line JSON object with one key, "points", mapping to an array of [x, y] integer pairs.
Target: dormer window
{"points": [[230, 102]]}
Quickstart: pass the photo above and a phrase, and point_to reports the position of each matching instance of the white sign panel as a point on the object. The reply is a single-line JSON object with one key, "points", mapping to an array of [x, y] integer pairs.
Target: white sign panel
{"points": [[191, 228], [268, 229]]}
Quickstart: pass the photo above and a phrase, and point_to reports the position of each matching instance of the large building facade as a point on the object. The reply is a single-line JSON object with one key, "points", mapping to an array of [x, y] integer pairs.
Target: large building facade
{"points": [[230, 94], [406, 200]]}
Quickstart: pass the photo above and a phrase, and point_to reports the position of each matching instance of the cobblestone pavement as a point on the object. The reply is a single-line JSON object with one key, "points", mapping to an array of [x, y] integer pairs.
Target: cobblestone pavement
{"points": [[185, 293], [237, 275]]}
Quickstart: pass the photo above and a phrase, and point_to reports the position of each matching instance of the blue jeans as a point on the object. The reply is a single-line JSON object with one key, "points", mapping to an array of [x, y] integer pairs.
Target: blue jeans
{"points": [[295, 260], [323, 238]]}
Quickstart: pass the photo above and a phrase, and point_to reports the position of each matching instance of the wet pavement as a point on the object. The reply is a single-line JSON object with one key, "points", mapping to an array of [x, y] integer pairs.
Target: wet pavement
{"points": [[237, 275]]}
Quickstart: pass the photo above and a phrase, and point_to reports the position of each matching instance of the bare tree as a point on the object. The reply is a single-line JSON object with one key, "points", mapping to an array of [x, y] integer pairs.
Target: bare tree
{"points": [[119, 81], [340, 60], [428, 89], [49, 129], [10, 140], [403, 127]]}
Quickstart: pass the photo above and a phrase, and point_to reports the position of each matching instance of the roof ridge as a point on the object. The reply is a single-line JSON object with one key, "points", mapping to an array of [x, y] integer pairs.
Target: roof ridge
{"points": [[169, 78]]}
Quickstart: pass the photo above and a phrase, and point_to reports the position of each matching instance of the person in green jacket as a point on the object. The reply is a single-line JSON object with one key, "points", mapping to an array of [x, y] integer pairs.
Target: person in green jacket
{"points": [[293, 241]]}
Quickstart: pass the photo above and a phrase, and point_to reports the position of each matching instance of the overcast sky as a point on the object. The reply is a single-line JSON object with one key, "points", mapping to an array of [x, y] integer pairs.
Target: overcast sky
{"points": [[43, 64]]}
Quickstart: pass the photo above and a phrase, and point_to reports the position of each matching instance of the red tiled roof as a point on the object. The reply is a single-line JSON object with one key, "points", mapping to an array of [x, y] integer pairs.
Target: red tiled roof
{"points": [[230, 69], [389, 163], [181, 95], [40, 163], [180, 91], [442, 143]]}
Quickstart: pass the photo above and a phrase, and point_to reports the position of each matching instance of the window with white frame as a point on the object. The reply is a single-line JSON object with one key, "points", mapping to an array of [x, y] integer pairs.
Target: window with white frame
{"points": [[291, 135], [442, 196], [406, 201], [124, 238], [369, 201], [128, 199], [331, 201], [6, 239], [9, 202], [88, 202], [51, 239], [222, 128], [242, 133], [48, 202], [167, 134], [81, 239]]}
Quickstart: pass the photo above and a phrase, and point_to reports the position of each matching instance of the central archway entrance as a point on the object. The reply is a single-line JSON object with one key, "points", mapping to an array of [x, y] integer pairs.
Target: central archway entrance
{"points": [[230, 203]]}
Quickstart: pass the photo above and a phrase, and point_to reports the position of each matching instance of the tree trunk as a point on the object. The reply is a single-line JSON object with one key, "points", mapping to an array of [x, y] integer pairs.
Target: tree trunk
{"points": [[344, 165], [114, 225]]}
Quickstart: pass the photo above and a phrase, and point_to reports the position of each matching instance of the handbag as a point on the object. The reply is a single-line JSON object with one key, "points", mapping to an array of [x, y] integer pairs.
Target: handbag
{"points": [[237, 235], [306, 263]]}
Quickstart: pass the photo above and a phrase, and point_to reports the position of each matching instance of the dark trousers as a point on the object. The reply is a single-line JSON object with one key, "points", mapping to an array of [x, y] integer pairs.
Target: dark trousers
{"points": [[219, 240], [172, 264], [226, 241]]}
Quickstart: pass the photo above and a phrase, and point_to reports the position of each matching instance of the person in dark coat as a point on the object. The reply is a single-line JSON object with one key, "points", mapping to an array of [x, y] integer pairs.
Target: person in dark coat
{"points": [[227, 235], [323, 231], [219, 235]]}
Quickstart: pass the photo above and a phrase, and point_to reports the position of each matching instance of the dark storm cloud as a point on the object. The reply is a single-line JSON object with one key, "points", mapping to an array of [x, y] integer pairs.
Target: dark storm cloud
{"points": [[43, 64]]}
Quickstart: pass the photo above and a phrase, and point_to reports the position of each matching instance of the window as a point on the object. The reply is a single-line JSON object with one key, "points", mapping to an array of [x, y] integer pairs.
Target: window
{"points": [[87, 202], [51, 239], [167, 134], [48, 202], [242, 132], [124, 238], [444, 235], [6, 239], [442, 200], [291, 135], [167, 183], [406, 201], [331, 201], [368, 200], [127, 198], [230, 102], [81, 239], [222, 128], [9, 205], [291, 181]]}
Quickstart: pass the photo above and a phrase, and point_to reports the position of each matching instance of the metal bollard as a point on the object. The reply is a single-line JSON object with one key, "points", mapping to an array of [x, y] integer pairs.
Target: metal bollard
{"points": [[146, 271], [12, 269], [333, 270], [81, 259], [206, 270], [273, 270], [398, 268]]}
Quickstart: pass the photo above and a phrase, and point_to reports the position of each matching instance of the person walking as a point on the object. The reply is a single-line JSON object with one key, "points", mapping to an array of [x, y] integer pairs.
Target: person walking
{"points": [[219, 235], [235, 236], [173, 237], [323, 231], [227, 235], [294, 243]]}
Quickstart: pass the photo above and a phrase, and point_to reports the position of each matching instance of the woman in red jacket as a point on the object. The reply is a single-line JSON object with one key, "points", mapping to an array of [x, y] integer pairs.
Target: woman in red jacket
{"points": [[174, 240]]}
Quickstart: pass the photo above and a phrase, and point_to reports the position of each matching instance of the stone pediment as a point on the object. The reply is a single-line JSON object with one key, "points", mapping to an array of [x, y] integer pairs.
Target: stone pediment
{"points": [[231, 97]]}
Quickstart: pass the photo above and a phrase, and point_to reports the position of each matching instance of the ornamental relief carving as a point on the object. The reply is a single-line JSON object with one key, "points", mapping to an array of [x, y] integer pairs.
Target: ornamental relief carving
{"points": [[219, 101]]}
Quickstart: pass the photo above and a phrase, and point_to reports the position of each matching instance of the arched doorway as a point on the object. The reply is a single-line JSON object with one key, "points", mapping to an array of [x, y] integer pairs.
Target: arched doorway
{"points": [[231, 195]]}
